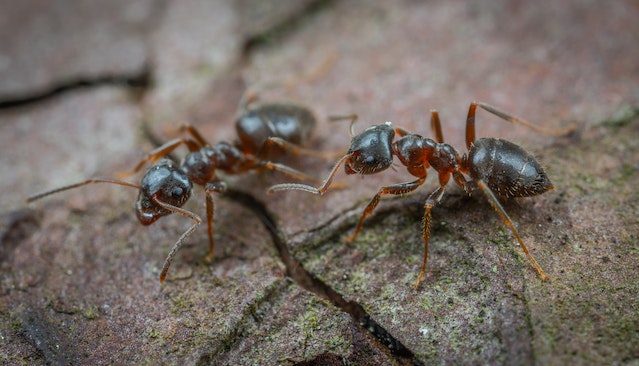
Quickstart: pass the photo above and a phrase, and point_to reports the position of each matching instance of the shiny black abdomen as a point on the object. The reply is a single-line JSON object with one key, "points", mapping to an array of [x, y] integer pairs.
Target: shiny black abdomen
{"points": [[506, 168], [287, 121]]}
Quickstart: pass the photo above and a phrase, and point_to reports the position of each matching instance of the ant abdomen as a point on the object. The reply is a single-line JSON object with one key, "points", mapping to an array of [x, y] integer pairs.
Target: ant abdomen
{"points": [[506, 168], [289, 122]]}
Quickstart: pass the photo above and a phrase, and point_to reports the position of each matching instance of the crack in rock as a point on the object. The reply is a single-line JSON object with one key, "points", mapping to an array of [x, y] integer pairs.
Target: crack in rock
{"points": [[311, 283], [139, 80]]}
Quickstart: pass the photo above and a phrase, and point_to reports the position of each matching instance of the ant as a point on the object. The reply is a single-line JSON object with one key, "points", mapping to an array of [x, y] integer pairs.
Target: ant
{"points": [[166, 186], [497, 167]]}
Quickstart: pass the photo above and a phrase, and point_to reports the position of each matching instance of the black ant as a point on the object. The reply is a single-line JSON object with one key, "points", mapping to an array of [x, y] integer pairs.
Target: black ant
{"points": [[166, 186], [496, 166]]}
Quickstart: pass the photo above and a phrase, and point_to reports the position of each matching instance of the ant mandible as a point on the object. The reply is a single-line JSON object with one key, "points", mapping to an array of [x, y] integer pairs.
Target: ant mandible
{"points": [[496, 166], [167, 186]]}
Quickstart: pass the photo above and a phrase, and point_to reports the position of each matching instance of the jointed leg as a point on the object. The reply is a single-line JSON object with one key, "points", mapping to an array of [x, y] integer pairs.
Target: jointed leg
{"points": [[470, 122], [211, 187], [400, 188], [508, 222], [433, 199], [195, 133], [163, 151], [293, 148], [167, 148], [435, 126], [284, 169]]}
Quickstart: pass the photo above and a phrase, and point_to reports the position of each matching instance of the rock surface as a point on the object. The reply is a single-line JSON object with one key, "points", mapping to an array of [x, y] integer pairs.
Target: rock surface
{"points": [[79, 275]]}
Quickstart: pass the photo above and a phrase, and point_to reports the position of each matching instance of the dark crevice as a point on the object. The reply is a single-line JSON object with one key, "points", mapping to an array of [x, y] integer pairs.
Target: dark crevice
{"points": [[15, 227], [311, 283], [254, 313], [49, 343], [278, 31], [139, 82]]}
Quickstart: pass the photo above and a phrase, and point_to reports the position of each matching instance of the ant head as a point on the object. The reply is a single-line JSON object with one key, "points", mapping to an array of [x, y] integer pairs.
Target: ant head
{"points": [[163, 182], [371, 151]]}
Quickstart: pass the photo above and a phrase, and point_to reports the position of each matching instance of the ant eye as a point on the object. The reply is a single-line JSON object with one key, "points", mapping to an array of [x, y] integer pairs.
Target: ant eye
{"points": [[177, 192]]}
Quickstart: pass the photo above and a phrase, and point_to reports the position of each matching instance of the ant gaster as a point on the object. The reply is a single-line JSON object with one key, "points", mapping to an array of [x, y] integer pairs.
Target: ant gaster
{"points": [[166, 186], [496, 166]]}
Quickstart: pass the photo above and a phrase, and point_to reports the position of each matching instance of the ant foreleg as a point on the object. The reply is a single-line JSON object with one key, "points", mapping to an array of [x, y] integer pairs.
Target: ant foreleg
{"points": [[196, 135], [284, 169], [433, 199], [293, 148], [396, 189], [180, 241], [219, 187], [470, 122], [492, 199], [162, 151]]}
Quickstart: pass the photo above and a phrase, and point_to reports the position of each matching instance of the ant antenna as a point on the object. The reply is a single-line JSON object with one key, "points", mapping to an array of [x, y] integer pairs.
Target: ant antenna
{"points": [[353, 117], [40, 195]]}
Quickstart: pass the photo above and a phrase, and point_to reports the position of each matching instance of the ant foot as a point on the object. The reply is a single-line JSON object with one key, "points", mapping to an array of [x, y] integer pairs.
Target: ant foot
{"points": [[419, 280]]}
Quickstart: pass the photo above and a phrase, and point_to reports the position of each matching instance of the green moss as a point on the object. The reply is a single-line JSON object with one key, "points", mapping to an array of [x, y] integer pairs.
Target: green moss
{"points": [[622, 117], [153, 334], [90, 312]]}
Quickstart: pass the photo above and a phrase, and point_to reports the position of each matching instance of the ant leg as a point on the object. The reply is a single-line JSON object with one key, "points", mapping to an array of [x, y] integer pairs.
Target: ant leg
{"points": [[180, 241], [396, 189], [433, 199], [80, 184], [195, 133], [435, 126], [467, 186], [293, 173], [310, 189], [211, 187], [293, 148], [161, 151], [470, 122], [249, 96], [509, 223]]}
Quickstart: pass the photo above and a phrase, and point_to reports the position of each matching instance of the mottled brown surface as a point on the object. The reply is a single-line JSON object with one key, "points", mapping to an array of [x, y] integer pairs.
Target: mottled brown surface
{"points": [[78, 273]]}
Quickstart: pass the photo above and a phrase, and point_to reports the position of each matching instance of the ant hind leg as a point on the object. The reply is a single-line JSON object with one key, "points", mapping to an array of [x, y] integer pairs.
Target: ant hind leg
{"points": [[470, 122], [492, 199]]}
